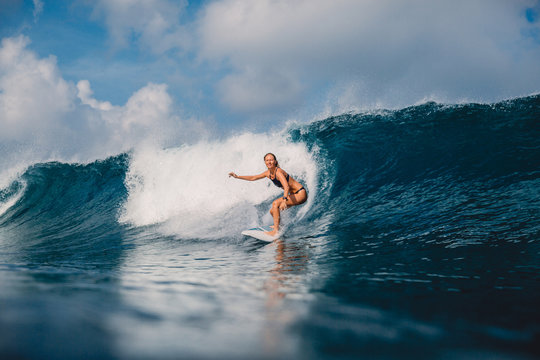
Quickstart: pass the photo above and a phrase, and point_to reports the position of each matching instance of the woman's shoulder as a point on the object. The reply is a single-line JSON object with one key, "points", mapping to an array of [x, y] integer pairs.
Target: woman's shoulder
{"points": [[282, 172]]}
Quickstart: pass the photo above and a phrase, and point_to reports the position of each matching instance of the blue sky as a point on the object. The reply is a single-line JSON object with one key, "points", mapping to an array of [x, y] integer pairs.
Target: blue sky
{"points": [[117, 70]]}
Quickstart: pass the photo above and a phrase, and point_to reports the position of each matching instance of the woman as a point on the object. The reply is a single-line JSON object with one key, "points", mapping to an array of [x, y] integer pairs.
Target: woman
{"points": [[293, 192]]}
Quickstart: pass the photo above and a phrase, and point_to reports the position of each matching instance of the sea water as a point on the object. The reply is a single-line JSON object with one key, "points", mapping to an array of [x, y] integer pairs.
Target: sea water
{"points": [[419, 239]]}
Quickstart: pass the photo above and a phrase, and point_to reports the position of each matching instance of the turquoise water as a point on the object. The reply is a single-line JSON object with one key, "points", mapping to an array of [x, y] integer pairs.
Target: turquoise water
{"points": [[420, 239]]}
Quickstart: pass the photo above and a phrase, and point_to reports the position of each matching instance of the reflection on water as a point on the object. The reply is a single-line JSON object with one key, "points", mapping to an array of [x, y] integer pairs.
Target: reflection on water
{"points": [[238, 300], [286, 280]]}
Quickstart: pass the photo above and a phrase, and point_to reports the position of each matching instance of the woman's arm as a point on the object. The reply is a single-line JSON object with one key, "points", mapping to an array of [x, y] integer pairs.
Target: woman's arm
{"points": [[249, 177]]}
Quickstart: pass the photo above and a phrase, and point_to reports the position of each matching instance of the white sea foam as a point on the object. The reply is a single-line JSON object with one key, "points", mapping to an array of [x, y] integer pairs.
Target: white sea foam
{"points": [[188, 192], [11, 200]]}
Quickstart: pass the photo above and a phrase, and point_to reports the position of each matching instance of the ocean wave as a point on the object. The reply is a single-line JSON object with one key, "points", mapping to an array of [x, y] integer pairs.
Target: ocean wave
{"points": [[462, 173]]}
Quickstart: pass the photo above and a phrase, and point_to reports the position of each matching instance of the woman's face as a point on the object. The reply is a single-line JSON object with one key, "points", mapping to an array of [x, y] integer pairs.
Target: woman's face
{"points": [[270, 161]]}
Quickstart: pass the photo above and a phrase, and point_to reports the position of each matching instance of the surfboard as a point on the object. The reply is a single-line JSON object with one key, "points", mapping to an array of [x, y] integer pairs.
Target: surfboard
{"points": [[258, 233]]}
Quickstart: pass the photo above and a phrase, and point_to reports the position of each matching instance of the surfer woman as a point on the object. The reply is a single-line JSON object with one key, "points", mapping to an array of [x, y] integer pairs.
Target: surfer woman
{"points": [[293, 192]]}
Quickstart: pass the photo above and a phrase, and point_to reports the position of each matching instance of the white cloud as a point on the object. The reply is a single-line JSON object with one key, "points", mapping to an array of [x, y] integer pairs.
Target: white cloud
{"points": [[147, 106], [85, 94], [154, 24], [33, 96], [38, 9], [281, 54], [251, 90], [390, 53], [44, 112], [146, 117]]}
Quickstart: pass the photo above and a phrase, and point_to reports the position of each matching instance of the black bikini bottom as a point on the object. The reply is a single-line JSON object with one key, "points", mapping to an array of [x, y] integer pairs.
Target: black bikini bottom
{"points": [[302, 188]]}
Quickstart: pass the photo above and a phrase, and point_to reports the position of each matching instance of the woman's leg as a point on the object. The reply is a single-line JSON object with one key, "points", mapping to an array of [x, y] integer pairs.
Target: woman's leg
{"points": [[294, 199], [274, 210], [298, 198]]}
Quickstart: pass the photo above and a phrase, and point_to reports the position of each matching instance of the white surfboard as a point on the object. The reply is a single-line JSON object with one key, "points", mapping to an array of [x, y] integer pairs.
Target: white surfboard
{"points": [[258, 233]]}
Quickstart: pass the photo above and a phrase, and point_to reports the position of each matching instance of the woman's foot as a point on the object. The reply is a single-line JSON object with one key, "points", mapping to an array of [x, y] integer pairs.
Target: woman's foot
{"points": [[271, 233]]}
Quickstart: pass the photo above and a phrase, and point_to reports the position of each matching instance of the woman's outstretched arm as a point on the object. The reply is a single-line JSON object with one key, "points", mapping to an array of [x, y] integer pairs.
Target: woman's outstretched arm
{"points": [[249, 177]]}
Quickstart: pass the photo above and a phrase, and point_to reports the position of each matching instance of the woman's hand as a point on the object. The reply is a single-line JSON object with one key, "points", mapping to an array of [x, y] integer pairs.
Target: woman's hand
{"points": [[283, 205], [233, 175]]}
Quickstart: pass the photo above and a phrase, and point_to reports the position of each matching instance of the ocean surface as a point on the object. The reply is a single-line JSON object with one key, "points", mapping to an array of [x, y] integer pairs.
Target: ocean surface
{"points": [[420, 240]]}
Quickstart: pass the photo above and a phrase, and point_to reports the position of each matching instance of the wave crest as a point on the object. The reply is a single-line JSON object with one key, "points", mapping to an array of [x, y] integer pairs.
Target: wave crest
{"points": [[187, 189]]}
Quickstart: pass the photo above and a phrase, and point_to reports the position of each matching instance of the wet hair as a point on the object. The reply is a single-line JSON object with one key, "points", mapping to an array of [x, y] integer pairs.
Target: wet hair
{"points": [[275, 158]]}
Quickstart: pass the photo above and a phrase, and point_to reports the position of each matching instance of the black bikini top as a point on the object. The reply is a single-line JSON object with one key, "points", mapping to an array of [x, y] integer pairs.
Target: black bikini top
{"points": [[277, 182]]}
